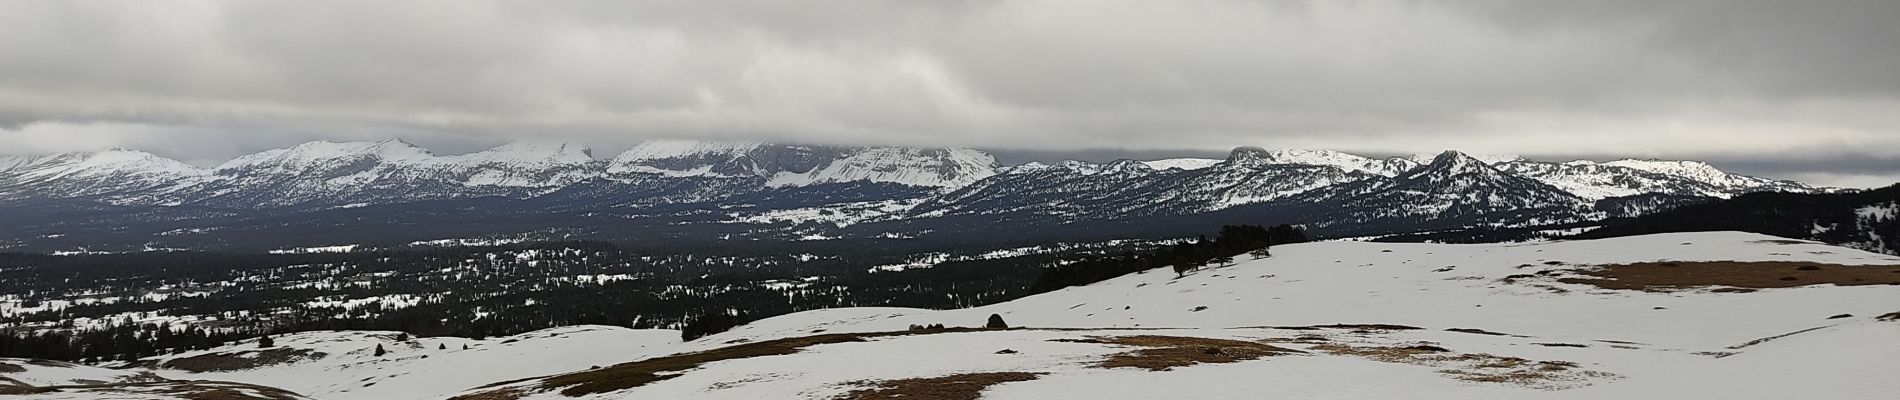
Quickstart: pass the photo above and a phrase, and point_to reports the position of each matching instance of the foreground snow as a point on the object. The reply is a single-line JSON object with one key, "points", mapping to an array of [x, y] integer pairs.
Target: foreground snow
{"points": [[1624, 344]]}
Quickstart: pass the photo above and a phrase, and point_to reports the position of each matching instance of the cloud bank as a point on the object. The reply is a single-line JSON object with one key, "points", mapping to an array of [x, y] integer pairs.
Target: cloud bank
{"points": [[1752, 81]]}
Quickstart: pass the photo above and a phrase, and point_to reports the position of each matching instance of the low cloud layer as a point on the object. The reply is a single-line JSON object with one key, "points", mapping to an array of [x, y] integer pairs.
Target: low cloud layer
{"points": [[1793, 87]]}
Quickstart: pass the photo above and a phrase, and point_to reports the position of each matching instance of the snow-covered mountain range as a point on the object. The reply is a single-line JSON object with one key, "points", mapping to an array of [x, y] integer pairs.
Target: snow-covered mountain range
{"points": [[852, 191]]}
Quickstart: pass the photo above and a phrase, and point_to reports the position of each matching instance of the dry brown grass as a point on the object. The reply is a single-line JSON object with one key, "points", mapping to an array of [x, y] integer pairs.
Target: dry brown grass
{"points": [[502, 394], [188, 390], [233, 361], [640, 373], [1471, 367], [954, 387], [1163, 353], [1664, 276]]}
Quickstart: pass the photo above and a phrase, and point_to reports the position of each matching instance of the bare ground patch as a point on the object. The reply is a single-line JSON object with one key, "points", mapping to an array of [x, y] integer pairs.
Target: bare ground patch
{"points": [[1737, 276], [1475, 367], [241, 360], [188, 389], [640, 373], [953, 387], [1162, 353]]}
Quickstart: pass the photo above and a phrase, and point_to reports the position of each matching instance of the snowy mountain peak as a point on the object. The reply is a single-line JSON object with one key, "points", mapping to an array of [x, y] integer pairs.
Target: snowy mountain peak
{"points": [[99, 164], [1456, 162], [901, 165], [1182, 163], [1483, 158], [1253, 157], [1689, 169], [672, 149], [1249, 154], [1127, 167], [322, 152], [537, 152]]}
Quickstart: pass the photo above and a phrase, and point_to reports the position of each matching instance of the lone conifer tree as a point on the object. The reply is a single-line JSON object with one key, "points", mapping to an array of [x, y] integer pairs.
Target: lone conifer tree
{"points": [[1222, 261], [265, 342], [996, 322], [444, 346], [1263, 252], [379, 350]]}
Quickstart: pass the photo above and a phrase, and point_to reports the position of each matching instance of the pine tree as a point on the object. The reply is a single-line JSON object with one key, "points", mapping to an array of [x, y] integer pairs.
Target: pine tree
{"points": [[1262, 252], [996, 322], [444, 346], [379, 350], [265, 342]]}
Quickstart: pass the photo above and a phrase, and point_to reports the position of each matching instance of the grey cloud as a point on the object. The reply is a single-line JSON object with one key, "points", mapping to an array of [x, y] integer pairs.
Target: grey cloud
{"points": [[1750, 80]]}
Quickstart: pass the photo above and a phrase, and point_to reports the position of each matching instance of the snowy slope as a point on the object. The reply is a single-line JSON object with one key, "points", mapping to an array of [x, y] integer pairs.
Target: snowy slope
{"points": [[18, 371], [427, 368], [120, 176], [1534, 336], [1182, 163], [908, 166]]}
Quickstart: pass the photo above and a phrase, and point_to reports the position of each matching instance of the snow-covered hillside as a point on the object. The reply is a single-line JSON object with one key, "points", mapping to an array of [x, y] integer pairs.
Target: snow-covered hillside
{"points": [[1359, 320], [342, 365]]}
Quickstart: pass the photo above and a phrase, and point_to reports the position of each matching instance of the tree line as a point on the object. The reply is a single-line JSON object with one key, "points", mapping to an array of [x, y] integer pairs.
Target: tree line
{"points": [[1232, 241]]}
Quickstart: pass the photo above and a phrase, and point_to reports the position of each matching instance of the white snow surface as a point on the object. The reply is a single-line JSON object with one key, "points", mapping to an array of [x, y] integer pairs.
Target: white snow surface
{"points": [[1626, 344], [1182, 163], [667, 149], [908, 166], [420, 368], [55, 373]]}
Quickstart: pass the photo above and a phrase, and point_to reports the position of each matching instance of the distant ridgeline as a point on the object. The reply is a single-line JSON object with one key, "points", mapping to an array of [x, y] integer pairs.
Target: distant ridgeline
{"points": [[1863, 219], [390, 194]]}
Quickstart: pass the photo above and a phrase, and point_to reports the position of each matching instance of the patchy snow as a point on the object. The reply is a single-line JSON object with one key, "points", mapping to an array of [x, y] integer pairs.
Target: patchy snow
{"points": [[1879, 212], [345, 248], [434, 367], [841, 214], [55, 373], [900, 165], [465, 242]]}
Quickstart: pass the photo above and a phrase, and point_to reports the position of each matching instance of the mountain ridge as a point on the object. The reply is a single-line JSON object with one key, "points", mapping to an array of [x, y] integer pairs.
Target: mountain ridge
{"points": [[697, 190]]}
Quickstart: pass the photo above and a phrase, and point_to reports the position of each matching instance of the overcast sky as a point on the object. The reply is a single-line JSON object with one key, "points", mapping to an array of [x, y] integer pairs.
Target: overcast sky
{"points": [[1793, 89]]}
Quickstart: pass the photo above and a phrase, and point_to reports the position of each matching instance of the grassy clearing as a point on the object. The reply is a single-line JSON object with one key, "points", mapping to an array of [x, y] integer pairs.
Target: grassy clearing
{"points": [[953, 387], [1733, 276]]}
